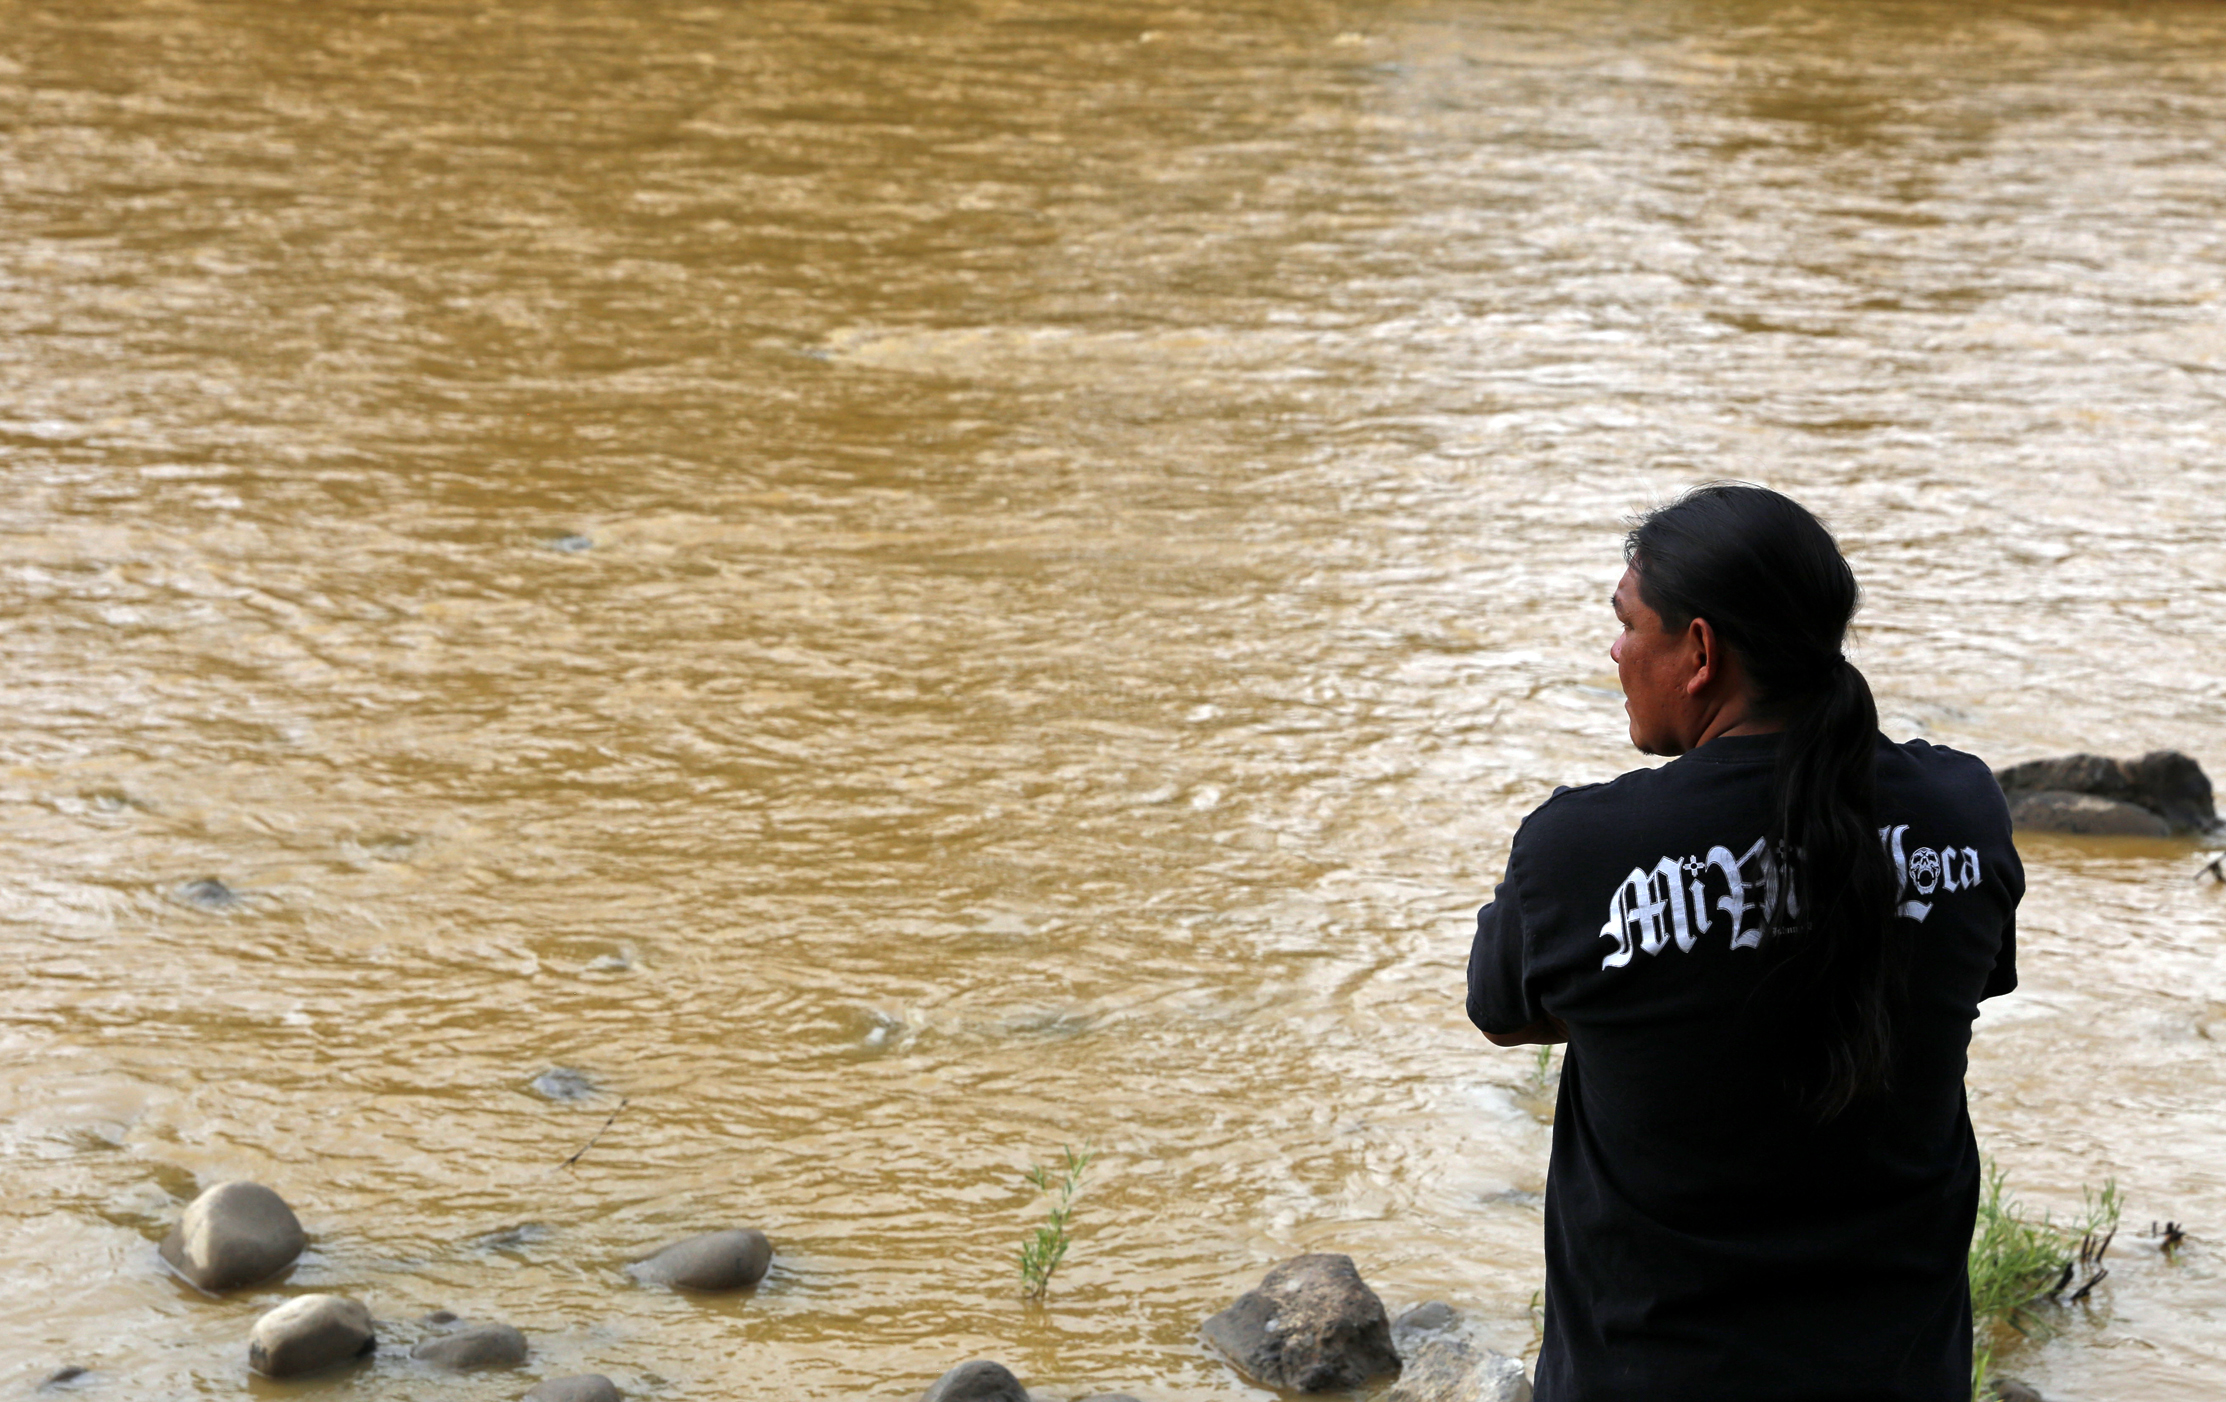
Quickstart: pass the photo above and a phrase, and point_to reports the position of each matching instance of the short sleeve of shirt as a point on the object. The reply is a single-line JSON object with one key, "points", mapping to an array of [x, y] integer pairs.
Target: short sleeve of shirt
{"points": [[1499, 1001], [2003, 978]]}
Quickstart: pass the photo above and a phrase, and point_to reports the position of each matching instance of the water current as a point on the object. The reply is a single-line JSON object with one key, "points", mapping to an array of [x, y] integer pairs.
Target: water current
{"points": [[904, 584]]}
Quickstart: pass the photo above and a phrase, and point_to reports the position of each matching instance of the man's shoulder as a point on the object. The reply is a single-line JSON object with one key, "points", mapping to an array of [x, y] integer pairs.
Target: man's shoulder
{"points": [[1574, 811], [1942, 770]]}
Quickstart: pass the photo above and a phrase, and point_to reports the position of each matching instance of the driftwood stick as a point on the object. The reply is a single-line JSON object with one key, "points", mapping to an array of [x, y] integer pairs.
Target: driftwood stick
{"points": [[622, 1103]]}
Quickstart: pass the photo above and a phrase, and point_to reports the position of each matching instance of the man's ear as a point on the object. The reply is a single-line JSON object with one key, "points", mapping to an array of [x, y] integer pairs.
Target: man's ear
{"points": [[1708, 658]]}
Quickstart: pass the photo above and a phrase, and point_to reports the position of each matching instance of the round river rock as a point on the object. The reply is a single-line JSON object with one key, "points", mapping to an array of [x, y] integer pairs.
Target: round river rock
{"points": [[234, 1234], [308, 1333], [979, 1380], [585, 1387], [729, 1260], [474, 1346]]}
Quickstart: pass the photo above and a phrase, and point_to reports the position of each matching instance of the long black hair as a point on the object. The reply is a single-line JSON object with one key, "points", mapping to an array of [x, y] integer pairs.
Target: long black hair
{"points": [[1771, 581]]}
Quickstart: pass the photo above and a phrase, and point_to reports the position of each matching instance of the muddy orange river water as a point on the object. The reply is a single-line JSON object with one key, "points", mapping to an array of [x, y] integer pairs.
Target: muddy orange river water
{"points": [[901, 585]]}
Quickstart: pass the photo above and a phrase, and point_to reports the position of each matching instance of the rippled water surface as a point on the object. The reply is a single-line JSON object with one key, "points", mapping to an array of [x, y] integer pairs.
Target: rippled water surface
{"points": [[904, 584]]}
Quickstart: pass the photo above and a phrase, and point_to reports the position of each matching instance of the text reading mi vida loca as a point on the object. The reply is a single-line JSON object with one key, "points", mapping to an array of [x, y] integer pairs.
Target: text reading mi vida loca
{"points": [[1678, 899]]}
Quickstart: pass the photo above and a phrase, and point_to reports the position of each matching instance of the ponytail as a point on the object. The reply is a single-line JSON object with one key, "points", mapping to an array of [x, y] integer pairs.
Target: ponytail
{"points": [[1771, 581]]}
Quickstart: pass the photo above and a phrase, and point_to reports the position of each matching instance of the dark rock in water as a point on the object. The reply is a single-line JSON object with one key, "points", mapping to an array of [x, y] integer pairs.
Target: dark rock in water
{"points": [[209, 894], [2165, 782], [63, 1377], [730, 1260], [307, 1333], [563, 1083], [2011, 1390], [977, 1381], [234, 1234], [2058, 810], [585, 1387], [439, 1318], [474, 1346], [1312, 1326]]}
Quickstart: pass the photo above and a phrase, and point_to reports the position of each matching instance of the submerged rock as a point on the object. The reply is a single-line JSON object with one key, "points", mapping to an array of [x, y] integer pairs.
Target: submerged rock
{"points": [[308, 1333], [1312, 1325], [2011, 1390], [62, 1377], [2059, 810], [729, 1260], [2166, 783], [1431, 1317], [515, 1238], [1442, 1363], [563, 1083], [979, 1380], [474, 1346], [234, 1234], [584, 1387], [209, 894]]}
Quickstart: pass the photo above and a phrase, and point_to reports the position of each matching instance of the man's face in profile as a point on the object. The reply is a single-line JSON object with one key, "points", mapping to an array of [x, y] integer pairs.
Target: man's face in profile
{"points": [[1655, 668]]}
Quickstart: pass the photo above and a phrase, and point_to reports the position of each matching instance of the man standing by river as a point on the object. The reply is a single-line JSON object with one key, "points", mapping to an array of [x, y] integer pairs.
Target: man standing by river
{"points": [[1765, 958]]}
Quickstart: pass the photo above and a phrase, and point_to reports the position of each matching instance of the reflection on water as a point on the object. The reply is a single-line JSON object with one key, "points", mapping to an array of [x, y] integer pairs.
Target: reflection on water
{"points": [[901, 585]]}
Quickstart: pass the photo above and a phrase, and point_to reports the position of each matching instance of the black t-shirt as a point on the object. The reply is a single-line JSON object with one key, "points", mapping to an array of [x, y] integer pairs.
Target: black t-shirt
{"points": [[1703, 1239]]}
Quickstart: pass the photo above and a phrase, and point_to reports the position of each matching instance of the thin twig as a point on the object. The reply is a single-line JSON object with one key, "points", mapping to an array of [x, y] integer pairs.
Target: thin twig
{"points": [[2098, 1278], [595, 1136]]}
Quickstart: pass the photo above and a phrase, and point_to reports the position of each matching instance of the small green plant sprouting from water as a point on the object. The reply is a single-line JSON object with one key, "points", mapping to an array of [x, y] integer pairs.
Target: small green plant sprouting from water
{"points": [[1042, 1250], [1541, 1070], [2018, 1260]]}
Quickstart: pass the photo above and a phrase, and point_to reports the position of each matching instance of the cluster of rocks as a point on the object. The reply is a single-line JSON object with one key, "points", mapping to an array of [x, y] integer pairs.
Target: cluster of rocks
{"points": [[1312, 1325], [2162, 794], [240, 1234]]}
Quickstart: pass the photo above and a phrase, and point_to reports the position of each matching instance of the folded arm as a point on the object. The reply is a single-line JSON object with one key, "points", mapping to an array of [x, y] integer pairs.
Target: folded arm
{"points": [[1501, 1000]]}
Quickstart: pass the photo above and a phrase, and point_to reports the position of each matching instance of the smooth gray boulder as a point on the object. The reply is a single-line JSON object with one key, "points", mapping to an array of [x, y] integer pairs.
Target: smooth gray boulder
{"points": [[2167, 783], [729, 1260], [1312, 1325], [585, 1387], [234, 1234], [307, 1333], [2059, 810], [474, 1346], [979, 1380]]}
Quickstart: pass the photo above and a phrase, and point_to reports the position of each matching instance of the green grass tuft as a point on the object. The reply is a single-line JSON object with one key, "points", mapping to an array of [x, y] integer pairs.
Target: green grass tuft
{"points": [[2018, 1260]]}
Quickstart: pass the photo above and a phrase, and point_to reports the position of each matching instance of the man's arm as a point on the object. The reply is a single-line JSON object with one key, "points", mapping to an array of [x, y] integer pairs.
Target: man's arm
{"points": [[1546, 1032], [1500, 999]]}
